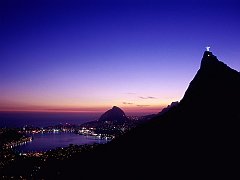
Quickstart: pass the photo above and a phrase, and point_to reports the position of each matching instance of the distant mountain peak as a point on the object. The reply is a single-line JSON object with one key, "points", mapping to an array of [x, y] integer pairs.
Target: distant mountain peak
{"points": [[115, 107], [114, 115], [166, 109]]}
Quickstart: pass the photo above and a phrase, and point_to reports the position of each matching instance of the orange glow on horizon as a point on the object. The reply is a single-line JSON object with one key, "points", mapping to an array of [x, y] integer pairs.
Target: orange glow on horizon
{"points": [[144, 109]]}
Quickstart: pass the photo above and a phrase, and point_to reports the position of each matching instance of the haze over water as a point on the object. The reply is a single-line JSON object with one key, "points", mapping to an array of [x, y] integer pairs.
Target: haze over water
{"points": [[43, 119]]}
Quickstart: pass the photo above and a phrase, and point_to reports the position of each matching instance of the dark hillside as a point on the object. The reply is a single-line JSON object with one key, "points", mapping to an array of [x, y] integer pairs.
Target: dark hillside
{"points": [[197, 138]]}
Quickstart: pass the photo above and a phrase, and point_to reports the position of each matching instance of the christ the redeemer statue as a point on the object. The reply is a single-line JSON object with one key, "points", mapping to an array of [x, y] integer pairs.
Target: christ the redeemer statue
{"points": [[207, 48]]}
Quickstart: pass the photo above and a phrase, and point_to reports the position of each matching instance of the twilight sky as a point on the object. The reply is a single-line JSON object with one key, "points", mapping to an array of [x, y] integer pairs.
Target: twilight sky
{"points": [[88, 55]]}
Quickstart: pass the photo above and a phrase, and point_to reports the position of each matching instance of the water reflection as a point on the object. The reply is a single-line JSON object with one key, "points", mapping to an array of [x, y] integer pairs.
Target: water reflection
{"points": [[47, 141]]}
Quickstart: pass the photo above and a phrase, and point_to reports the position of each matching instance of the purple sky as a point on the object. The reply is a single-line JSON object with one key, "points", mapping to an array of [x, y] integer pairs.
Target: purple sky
{"points": [[90, 55]]}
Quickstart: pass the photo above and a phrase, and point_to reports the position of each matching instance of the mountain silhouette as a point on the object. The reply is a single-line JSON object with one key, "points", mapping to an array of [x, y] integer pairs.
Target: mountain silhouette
{"points": [[114, 115], [197, 138], [173, 104], [214, 90]]}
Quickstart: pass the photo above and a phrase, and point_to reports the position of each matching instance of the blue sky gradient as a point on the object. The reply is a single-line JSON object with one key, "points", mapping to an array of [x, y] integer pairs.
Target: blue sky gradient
{"points": [[89, 55]]}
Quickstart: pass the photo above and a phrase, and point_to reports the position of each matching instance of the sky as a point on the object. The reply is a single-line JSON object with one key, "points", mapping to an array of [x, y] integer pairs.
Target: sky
{"points": [[89, 55]]}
